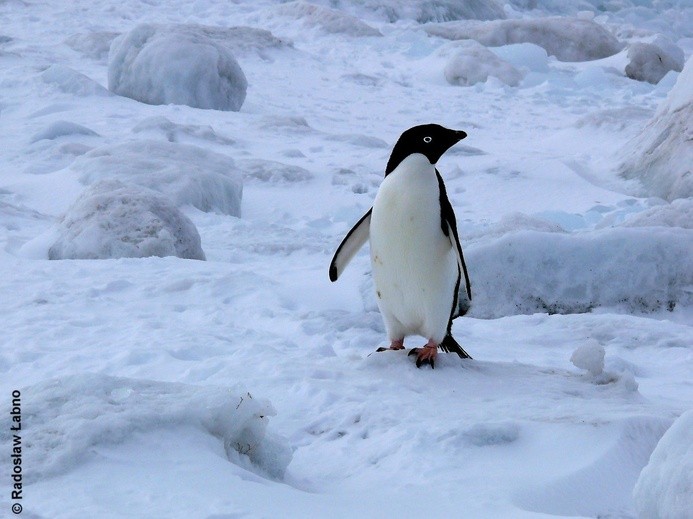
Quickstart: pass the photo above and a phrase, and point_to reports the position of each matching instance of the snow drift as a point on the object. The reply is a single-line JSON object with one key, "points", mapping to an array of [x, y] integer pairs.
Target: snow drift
{"points": [[187, 174], [569, 39], [529, 271], [650, 61], [70, 416], [175, 64], [665, 486], [661, 156], [113, 220], [330, 21]]}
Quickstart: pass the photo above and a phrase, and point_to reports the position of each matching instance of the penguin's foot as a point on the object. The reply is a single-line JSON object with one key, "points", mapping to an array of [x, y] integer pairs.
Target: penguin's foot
{"points": [[394, 345], [425, 355]]}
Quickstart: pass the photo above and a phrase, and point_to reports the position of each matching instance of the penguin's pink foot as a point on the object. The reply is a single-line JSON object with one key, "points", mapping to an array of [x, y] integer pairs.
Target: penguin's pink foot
{"points": [[425, 355], [394, 345]]}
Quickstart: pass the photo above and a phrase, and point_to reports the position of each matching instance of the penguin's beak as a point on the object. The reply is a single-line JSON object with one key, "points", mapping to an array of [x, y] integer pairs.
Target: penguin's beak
{"points": [[460, 135]]}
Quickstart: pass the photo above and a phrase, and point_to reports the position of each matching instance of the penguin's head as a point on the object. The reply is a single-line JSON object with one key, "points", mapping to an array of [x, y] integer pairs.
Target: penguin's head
{"points": [[431, 140]]}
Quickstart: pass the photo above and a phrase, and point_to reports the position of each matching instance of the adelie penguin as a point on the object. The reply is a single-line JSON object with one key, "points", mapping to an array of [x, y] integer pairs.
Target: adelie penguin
{"points": [[416, 255]]}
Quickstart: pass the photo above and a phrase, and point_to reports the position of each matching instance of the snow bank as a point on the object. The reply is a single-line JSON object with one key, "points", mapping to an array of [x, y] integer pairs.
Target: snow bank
{"points": [[328, 20], [651, 61], [661, 156], [273, 172], [528, 271], [94, 45], [66, 418], [187, 174], [665, 486], [474, 63], [678, 213], [569, 39], [175, 132], [70, 81], [175, 64], [113, 220]]}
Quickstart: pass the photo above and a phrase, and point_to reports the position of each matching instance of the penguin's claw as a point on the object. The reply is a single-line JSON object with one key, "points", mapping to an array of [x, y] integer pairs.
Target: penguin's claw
{"points": [[425, 355], [394, 345]]}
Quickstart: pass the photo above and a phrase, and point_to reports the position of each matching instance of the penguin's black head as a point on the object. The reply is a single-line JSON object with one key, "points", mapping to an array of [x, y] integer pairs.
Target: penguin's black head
{"points": [[431, 140]]}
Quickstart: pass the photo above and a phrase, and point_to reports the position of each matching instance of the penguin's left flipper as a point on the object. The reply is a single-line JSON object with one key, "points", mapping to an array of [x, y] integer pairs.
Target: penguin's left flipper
{"points": [[448, 224], [352, 242]]}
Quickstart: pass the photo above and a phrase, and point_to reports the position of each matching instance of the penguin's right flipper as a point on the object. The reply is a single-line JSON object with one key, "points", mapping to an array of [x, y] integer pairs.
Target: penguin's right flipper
{"points": [[352, 242]]}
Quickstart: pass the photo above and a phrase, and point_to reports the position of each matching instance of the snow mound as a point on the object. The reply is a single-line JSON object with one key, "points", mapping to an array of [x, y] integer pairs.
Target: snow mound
{"points": [[528, 271], [661, 156], [651, 61], [113, 220], [273, 172], [94, 45], [474, 63], [424, 11], [328, 20], [60, 129], [72, 415], [175, 65], [589, 357], [70, 81], [524, 55], [187, 174], [665, 486], [569, 39], [678, 213]]}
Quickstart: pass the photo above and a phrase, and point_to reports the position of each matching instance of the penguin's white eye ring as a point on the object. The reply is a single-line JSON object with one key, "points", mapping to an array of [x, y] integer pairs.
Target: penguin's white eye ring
{"points": [[427, 139]]}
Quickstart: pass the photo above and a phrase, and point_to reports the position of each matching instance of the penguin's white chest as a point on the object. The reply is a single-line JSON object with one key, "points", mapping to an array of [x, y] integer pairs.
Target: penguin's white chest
{"points": [[414, 265]]}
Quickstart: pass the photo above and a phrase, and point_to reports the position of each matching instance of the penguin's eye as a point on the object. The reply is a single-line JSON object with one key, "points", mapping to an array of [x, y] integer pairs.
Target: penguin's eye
{"points": [[427, 139]]}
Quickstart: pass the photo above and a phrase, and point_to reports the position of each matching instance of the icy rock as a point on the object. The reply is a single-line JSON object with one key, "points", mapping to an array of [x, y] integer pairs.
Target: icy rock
{"points": [[651, 61], [187, 174], [665, 487], [474, 63], [114, 220], [94, 45], [678, 213], [72, 82], [158, 64], [589, 357], [569, 39], [61, 128], [328, 20], [73, 415], [661, 155]]}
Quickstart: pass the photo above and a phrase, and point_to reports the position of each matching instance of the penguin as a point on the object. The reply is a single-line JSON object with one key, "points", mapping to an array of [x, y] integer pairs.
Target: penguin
{"points": [[416, 256]]}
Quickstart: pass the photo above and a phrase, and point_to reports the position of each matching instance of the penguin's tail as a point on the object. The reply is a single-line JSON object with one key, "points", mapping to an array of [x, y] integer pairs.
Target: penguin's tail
{"points": [[450, 345]]}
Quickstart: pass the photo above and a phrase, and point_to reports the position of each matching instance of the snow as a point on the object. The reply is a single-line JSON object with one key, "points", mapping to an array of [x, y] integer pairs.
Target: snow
{"points": [[665, 485], [569, 39], [187, 174], [651, 61], [660, 156], [113, 220], [473, 64], [136, 373], [179, 65]]}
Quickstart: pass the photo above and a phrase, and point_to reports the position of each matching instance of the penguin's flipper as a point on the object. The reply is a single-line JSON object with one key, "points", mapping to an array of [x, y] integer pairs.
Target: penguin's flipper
{"points": [[352, 242], [448, 224], [450, 345]]}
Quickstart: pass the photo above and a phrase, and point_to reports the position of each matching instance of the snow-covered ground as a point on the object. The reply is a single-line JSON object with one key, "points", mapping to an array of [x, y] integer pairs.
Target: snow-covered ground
{"points": [[244, 385]]}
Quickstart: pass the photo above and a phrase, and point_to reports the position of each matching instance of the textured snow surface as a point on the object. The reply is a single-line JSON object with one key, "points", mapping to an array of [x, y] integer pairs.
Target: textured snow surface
{"points": [[175, 64], [665, 486], [248, 385], [473, 63], [114, 220]]}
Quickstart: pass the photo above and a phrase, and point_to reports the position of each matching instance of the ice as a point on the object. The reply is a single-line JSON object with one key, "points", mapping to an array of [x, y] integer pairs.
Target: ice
{"points": [[114, 220], [188, 174], [175, 64], [72, 82], [661, 155], [72, 416], [524, 55], [651, 61], [678, 213], [665, 486], [569, 39], [94, 45], [474, 63]]}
